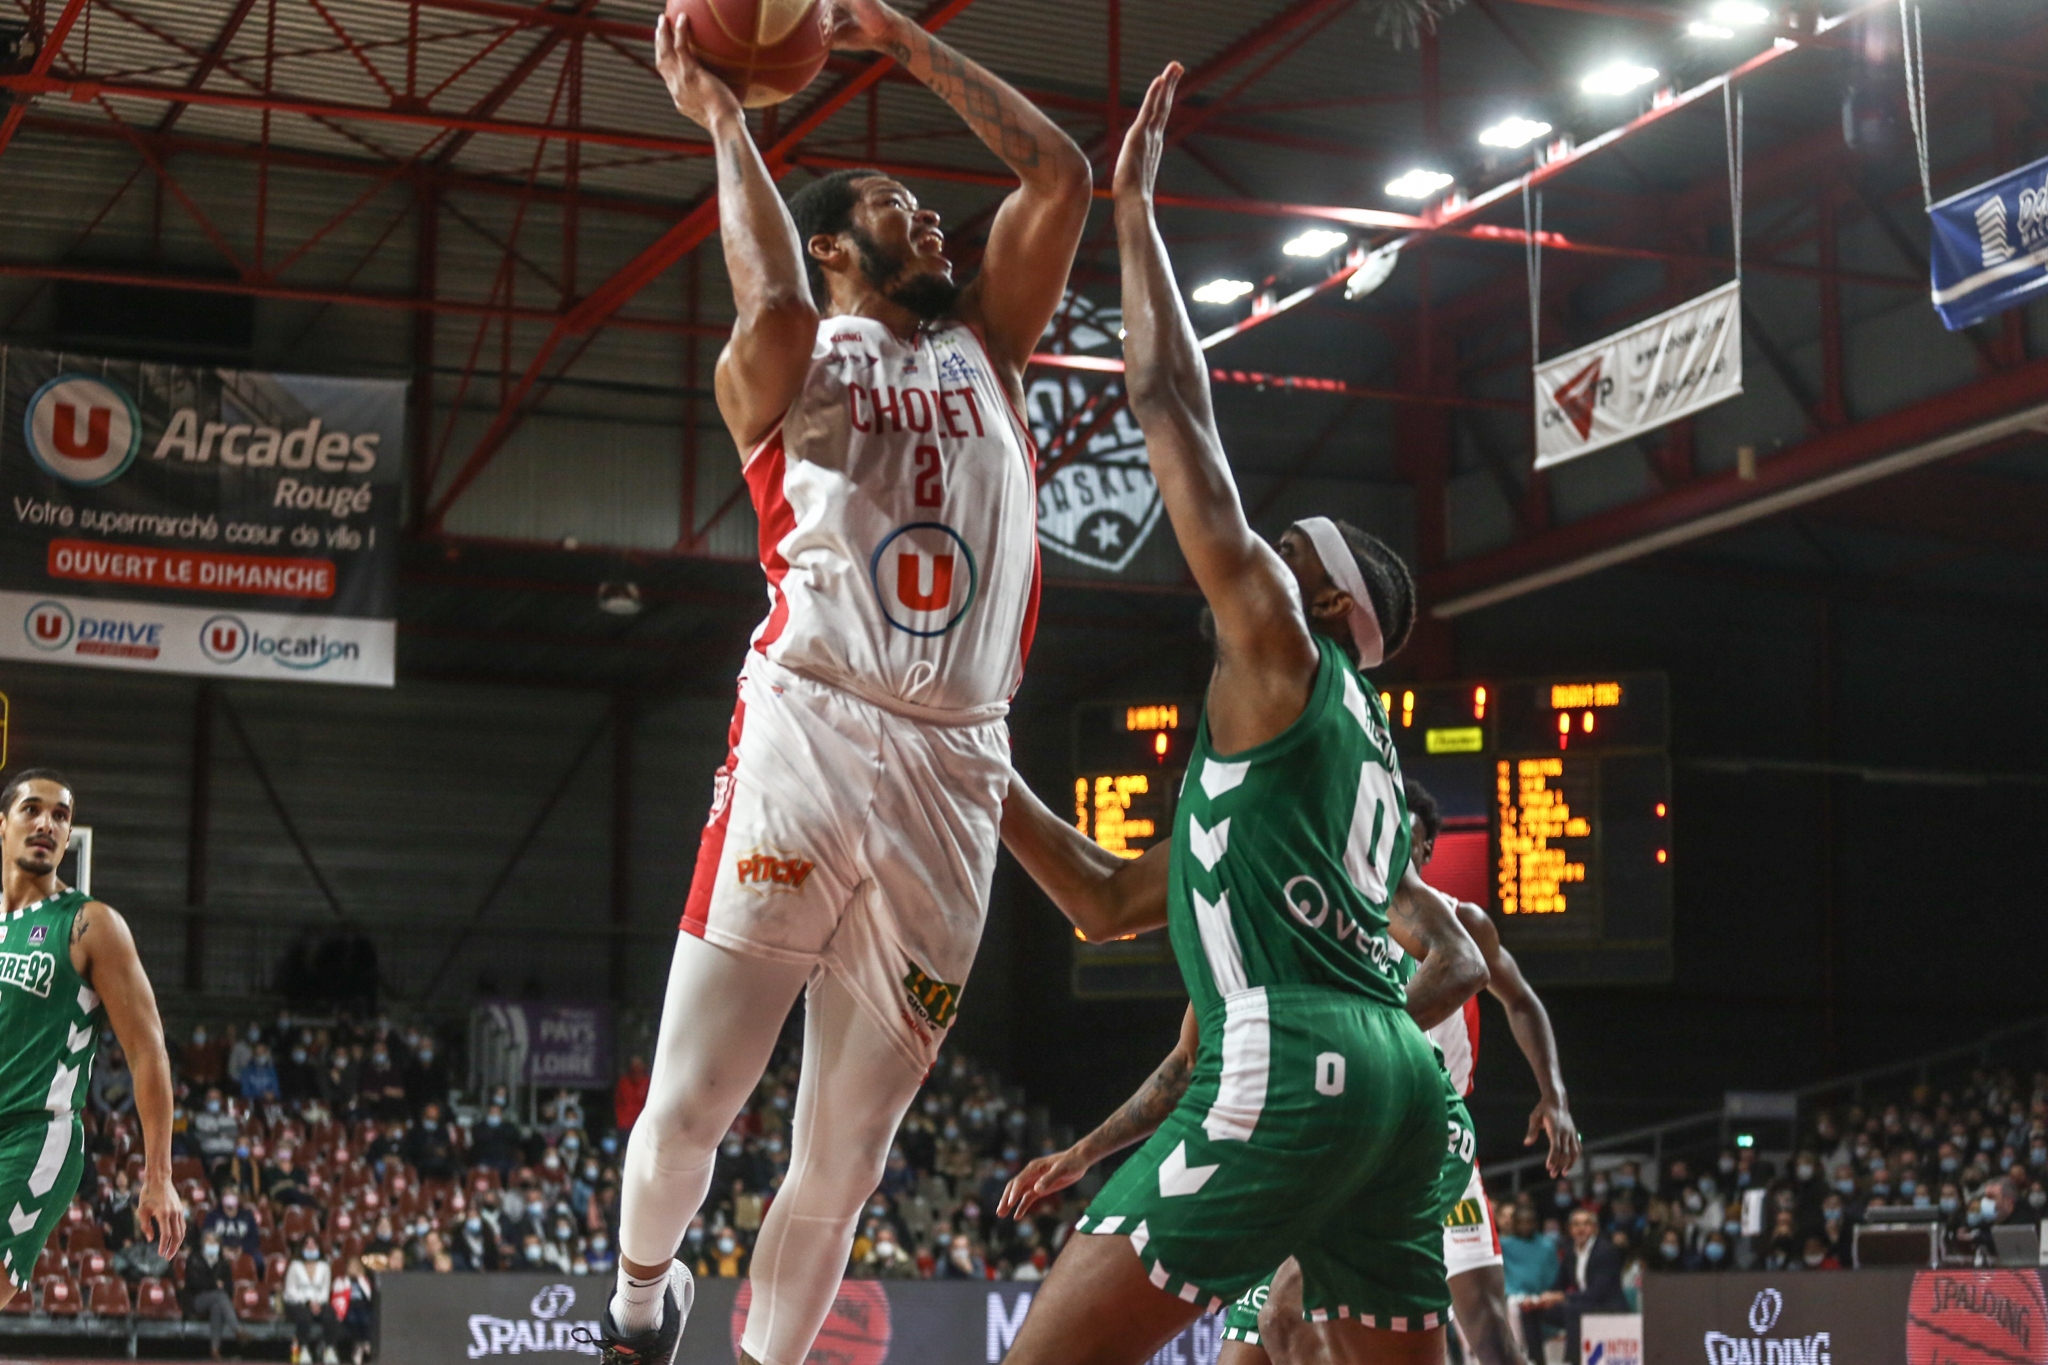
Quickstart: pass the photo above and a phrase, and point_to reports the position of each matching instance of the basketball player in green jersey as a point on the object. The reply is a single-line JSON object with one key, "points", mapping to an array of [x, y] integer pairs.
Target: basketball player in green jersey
{"points": [[67, 965], [1314, 1123]]}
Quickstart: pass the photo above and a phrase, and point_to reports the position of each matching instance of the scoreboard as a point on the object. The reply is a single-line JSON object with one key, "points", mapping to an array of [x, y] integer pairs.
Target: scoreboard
{"points": [[1128, 759], [1556, 796]]}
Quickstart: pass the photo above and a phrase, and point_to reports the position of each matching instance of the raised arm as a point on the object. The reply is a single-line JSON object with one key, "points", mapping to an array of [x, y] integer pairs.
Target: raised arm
{"points": [[1530, 1023], [103, 951], [1424, 921], [1138, 1118], [762, 368], [1262, 635], [1106, 897], [1031, 243]]}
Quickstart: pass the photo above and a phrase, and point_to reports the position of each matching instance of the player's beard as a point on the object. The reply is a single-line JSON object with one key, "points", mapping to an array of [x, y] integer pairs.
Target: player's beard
{"points": [[929, 296]]}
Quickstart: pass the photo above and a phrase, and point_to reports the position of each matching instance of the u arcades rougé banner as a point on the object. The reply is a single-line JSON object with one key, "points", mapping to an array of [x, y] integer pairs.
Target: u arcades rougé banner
{"points": [[178, 519]]}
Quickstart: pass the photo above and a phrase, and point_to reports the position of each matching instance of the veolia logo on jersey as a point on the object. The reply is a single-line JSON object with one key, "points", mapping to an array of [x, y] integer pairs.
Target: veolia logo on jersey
{"points": [[82, 430], [925, 578]]}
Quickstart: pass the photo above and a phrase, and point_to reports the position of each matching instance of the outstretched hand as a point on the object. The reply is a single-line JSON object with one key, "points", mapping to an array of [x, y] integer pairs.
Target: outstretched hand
{"points": [[1038, 1182], [1550, 1118], [1137, 165], [856, 25], [700, 96]]}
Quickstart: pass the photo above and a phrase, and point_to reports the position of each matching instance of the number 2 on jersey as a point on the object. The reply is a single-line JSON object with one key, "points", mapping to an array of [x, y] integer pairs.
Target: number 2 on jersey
{"points": [[929, 487]]}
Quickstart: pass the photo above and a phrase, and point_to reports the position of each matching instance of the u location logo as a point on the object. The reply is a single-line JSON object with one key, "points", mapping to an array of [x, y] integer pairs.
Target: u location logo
{"points": [[82, 430], [224, 639], [925, 578], [49, 626]]}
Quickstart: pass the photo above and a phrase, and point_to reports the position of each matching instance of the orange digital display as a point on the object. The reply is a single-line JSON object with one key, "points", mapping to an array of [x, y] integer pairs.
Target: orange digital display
{"points": [[1544, 842]]}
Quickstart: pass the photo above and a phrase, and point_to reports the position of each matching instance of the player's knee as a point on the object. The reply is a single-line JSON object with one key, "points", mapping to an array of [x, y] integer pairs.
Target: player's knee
{"points": [[673, 1132]]}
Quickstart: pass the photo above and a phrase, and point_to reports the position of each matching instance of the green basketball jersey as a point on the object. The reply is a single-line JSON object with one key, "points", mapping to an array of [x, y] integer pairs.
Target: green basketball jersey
{"points": [[1285, 856], [49, 1017]]}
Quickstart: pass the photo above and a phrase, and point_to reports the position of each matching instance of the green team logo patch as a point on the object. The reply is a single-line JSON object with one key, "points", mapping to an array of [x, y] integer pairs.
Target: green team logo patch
{"points": [[1466, 1213], [31, 972], [937, 1001]]}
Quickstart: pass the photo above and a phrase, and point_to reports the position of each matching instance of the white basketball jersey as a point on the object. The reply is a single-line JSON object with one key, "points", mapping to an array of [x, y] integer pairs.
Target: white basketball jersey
{"points": [[898, 509], [1457, 1038]]}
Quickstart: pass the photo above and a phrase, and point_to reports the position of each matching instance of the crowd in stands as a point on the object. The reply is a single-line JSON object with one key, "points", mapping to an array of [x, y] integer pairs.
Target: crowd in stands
{"points": [[315, 1156], [1976, 1154]]}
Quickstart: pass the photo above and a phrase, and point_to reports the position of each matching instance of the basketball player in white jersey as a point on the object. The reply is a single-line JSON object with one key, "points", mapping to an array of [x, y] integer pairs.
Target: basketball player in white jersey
{"points": [[854, 824], [1472, 1259]]}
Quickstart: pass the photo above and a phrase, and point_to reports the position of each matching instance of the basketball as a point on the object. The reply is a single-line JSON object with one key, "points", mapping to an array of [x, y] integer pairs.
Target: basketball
{"points": [[766, 50], [1996, 1317]]}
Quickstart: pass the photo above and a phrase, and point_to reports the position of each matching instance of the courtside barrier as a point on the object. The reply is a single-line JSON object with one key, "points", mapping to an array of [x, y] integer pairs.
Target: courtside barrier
{"points": [[449, 1319]]}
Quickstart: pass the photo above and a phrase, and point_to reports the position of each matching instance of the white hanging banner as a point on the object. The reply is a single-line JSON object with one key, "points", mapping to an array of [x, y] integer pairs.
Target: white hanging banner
{"points": [[1661, 369]]}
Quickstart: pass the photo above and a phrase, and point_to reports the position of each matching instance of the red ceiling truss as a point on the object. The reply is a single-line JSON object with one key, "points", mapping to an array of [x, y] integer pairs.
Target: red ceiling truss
{"points": [[537, 320]]}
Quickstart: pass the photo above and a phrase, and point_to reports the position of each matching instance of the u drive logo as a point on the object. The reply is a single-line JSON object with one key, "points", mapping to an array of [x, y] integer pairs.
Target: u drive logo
{"points": [[82, 430], [49, 626], [925, 578]]}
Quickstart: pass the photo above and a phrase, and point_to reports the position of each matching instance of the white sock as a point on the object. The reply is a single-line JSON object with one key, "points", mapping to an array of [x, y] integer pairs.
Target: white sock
{"points": [[636, 1307]]}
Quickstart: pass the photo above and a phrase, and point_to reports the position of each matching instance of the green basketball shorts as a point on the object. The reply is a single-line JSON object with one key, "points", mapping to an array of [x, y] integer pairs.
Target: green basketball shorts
{"points": [[1454, 1197], [1313, 1128], [41, 1159]]}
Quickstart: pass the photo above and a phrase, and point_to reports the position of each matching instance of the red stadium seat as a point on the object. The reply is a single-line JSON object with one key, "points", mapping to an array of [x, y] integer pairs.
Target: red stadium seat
{"points": [[106, 1296], [483, 1180], [60, 1295], [90, 1263], [82, 1236], [298, 1221], [184, 1168], [49, 1261], [155, 1301], [23, 1302], [345, 1245], [251, 1303], [105, 1165], [245, 1266], [178, 1268], [273, 1273], [274, 1244]]}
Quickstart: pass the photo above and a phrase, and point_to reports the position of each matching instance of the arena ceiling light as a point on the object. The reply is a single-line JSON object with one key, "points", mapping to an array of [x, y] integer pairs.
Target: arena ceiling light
{"points": [[1700, 28], [1418, 184], [1514, 132], [1223, 291], [1618, 78], [1739, 13], [1316, 242]]}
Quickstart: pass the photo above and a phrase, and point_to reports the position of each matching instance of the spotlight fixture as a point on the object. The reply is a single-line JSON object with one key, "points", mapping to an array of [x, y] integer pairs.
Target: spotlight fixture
{"points": [[1316, 242], [1618, 78], [619, 598], [1223, 291], [1739, 12], [1514, 132], [1700, 28], [1417, 184]]}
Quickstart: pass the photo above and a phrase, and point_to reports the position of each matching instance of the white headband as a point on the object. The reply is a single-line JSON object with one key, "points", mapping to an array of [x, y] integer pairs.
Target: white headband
{"points": [[1342, 567]]}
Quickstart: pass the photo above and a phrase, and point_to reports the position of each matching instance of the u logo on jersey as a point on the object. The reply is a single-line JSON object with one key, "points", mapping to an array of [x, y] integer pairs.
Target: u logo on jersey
{"points": [[925, 578]]}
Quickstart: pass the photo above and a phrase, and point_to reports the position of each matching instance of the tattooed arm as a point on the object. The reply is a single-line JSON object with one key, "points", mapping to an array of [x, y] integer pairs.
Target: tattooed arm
{"points": [[1424, 922], [1032, 241], [762, 368], [103, 951], [1138, 1118]]}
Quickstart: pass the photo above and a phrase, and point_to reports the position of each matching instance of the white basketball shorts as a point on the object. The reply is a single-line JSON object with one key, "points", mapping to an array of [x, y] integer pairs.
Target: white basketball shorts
{"points": [[1472, 1246], [855, 839]]}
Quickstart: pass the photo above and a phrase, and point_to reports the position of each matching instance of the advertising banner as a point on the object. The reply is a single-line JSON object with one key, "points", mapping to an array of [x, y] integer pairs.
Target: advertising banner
{"points": [[1611, 1339], [556, 1045], [1989, 247], [1856, 1317], [1661, 369], [548, 1320], [185, 520]]}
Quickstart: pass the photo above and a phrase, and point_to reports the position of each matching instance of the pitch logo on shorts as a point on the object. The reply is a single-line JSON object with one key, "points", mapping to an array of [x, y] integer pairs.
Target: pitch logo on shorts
{"points": [[935, 1001], [759, 871], [49, 626], [82, 430], [925, 578]]}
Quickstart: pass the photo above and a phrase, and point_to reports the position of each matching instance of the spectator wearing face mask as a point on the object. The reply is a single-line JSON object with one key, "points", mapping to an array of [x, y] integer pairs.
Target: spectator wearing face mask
{"points": [[1717, 1252], [558, 1249], [1818, 1255], [233, 1226], [215, 1129], [354, 1300], [258, 1076], [495, 1141], [240, 1171], [962, 1261], [426, 1076], [1670, 1252], [381, 1085], [308, 1302], [1992, 1204], [1809, 1186], [598, 1257], [473, 1245], [203, 1061], [209, 1293], [727, 1260], [112, 1092], [886, 1259], [298, 1077]]}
